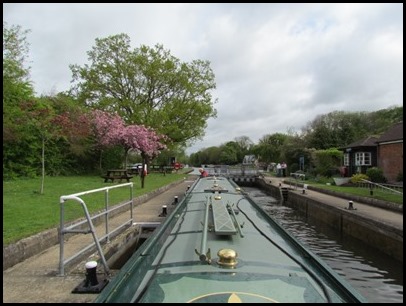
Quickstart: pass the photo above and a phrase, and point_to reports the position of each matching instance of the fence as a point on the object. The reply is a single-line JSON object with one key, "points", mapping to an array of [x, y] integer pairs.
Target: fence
{"points": [[382, 187], [73, 228]]}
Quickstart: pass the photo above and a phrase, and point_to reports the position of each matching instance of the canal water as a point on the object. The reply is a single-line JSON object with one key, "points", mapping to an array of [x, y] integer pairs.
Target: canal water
{"points": [[378, 277]]}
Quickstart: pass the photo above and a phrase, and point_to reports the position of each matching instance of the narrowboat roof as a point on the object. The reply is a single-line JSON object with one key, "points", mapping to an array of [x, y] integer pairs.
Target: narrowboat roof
{"points": [[219, 246]]}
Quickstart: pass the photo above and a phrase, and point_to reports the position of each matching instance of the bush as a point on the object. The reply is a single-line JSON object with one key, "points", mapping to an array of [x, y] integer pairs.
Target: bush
{"points": [[294, 167], [357, 178], [399, 178], [323, 179], [376, 175]]}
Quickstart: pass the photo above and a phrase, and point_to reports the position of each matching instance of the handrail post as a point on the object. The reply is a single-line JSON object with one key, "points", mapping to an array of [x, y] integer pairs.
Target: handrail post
{"points": [[70, 229], [96, 240], [202, 255], [106, 201], [132, 202], [61, 240]]}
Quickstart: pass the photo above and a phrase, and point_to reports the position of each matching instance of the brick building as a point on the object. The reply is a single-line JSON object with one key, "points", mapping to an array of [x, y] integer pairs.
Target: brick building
{"points": [[384, 152], [390, 152]]}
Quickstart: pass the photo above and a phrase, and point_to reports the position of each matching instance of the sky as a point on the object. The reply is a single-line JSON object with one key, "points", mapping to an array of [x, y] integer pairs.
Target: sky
{"points": [[277, 66]]}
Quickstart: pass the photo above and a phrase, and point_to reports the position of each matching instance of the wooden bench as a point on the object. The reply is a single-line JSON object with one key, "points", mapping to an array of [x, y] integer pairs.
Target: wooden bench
{"points": [[117, 174]]}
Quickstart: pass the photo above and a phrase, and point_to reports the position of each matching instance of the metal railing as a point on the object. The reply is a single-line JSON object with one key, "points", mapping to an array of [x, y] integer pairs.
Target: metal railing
{"points": [[89, 220], [246, 170], [387, 188]]}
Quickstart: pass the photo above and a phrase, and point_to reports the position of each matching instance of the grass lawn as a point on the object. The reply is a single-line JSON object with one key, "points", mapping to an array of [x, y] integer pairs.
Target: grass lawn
{"points": [[27, 212], [357, 191], [365, 192]]}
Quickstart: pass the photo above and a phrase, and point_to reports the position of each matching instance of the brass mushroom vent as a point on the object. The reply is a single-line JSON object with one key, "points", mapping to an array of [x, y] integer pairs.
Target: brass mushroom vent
{"points": [[227, 258]]}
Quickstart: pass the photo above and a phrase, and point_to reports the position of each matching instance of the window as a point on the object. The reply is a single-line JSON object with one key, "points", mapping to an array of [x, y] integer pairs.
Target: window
{"points": [[346, 159], [363, 159]]}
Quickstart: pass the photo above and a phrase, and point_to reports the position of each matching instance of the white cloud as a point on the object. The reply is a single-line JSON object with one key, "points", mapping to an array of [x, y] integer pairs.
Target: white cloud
{"points": [[277, 66]]}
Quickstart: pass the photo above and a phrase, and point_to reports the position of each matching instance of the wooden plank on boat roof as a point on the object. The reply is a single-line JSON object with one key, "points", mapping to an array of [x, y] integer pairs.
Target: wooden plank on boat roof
{"points": [[223, 225]]}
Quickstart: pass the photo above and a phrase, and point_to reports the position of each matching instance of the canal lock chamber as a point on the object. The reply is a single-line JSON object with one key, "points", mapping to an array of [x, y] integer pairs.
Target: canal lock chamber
{"points": [[121, 248]]}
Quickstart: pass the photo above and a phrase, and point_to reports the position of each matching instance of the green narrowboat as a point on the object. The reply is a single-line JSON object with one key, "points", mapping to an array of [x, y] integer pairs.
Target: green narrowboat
{"points": [[219, 246]]}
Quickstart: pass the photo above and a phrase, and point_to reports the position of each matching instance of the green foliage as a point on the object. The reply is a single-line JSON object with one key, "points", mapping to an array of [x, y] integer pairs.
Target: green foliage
{"points": [[379, 121], [15, 50], [376, 175], [357, 178], [270, 147], [229, 154], [338, 129], [327, 161], [320, 179], [148, 86], [112, 158], [17, 146], [294, 167]]}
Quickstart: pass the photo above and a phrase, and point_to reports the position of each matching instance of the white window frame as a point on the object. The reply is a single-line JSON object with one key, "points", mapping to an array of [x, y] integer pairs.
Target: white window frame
{"points": [[363, 159], [346, 161]]}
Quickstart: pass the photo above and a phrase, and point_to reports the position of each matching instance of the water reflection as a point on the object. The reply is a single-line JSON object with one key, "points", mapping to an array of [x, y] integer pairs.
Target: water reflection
{"points": [[378, 277]]}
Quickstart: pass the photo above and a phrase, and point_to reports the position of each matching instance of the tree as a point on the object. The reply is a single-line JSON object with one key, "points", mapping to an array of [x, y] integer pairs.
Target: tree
{"points": [[80, 150], [148, 86], [327, 162], [229, 153], [15, 50], [42, 126], [111, 130], [16, 84], [17, 88], [338, 129], [269, 147], [245, 144], [292, 150], [74, 122]]}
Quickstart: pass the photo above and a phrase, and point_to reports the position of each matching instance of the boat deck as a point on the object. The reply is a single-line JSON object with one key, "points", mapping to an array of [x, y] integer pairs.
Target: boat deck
{"points": [[219, 246]]}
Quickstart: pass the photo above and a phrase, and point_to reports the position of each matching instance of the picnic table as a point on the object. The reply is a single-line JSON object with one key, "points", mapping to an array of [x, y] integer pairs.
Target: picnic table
{"points": [[117, 174]]}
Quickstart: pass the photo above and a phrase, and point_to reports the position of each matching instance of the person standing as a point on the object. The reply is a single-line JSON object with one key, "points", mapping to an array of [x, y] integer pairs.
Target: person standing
{"points": [[203, 173], [284, 169], [278, 170]]}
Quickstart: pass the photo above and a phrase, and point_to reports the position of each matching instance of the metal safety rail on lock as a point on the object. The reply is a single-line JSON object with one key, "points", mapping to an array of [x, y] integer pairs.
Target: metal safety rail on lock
{"points": [[89, 220]]}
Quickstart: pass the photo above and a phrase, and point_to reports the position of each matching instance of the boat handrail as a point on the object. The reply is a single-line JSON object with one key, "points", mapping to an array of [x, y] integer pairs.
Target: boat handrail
{"points": [[203, 256]]}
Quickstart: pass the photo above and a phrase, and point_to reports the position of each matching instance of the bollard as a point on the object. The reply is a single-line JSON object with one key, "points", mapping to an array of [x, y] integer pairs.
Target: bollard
{"points": [[350, 205], [91, 277], [304, 188], [164, 211], [188, 187], [175, 201], [91, 283]]}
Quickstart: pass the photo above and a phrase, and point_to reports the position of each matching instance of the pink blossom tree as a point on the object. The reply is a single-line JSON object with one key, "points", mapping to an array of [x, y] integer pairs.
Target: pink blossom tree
{"points": [[108, 128], [145, 141], [111, 130]]}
